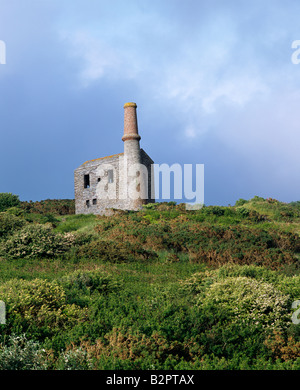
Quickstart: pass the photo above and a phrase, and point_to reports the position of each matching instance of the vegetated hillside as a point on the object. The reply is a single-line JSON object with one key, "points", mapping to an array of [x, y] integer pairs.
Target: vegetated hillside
{"points": [[162, 288]]}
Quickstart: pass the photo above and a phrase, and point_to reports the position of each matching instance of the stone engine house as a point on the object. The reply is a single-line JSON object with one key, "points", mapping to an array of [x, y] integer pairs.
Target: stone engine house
{"points": [[122, 181]]}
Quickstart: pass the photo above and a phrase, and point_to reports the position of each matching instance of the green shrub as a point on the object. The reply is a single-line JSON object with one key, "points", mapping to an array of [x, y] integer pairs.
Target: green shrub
{"points": [[114, 252], [19, 353], [150, 206], [75, 358], [38, 304], [243, 212], [10, 223], [124, 349], [8, 200], [216, 245], [288, 285], [247, 302], [295, 204], [215, 210], [96, 280], [248, 271], [237, 313], [49, 218], [241, 202], [50, 206], [38, 241], [17, 211], [257, 199], [282, 348]]}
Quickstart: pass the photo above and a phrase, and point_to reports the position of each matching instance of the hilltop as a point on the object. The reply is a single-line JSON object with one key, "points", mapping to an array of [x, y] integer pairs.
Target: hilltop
{"points": [[161, 288]]}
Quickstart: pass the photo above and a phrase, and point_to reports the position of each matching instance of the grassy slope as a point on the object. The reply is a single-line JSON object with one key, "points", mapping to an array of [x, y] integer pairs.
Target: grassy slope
{"points": [[150, 291]]}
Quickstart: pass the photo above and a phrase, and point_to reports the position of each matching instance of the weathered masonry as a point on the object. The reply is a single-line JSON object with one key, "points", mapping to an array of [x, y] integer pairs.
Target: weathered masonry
{"points": [[122, 181]]}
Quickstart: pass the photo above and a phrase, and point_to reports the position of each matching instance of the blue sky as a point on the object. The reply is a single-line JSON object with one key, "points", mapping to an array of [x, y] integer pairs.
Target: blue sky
{"points": [[213, 81]]}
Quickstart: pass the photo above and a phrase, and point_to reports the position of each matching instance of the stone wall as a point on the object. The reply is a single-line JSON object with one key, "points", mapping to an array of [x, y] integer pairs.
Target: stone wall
{"points": [[95, 205], [102, 195]]}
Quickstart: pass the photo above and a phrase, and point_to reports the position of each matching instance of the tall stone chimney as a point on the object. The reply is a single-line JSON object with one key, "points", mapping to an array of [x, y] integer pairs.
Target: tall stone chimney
{"points": [[136, 180], [131, 136]]}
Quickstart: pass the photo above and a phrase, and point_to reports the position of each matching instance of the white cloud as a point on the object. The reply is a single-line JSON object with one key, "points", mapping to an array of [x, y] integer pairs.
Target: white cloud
{"points": [[219, 74], [237, 91], [96, 59], [190, 131]]}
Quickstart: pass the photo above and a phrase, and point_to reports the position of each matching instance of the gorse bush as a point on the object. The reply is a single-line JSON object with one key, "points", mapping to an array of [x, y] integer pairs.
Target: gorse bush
{"points": [[217, 246], [36, 240], [114, 252], [50, 206], [287, 285], [282, 347], [125, 349], [39, 305], [213, 244], [15, 210], [96, 280], [238, 313], [247, 302], [9, 224]]}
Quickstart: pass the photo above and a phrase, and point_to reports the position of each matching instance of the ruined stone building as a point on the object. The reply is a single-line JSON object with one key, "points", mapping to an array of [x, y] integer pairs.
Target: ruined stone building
{"points": [[122, 181]]}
